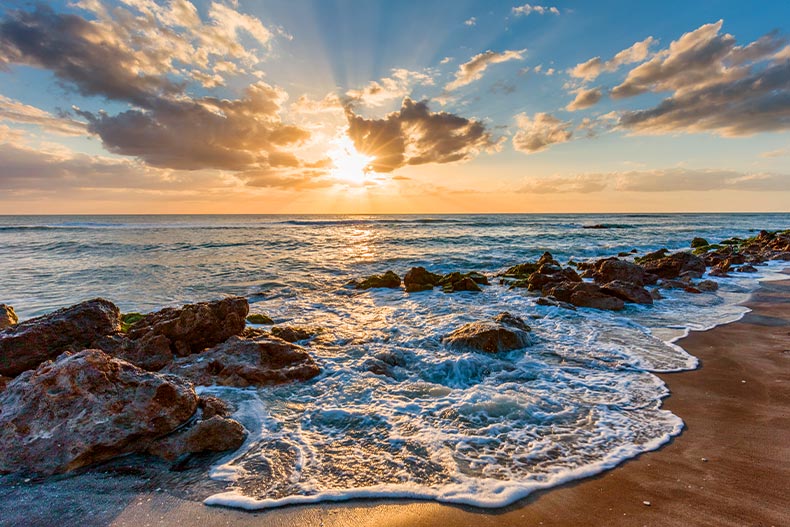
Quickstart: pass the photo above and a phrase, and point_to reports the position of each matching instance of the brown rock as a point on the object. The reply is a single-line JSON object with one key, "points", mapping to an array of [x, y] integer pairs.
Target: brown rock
{"points": [[489, 337], [151, 352], [85, 408], [293, 333], [612, 269], [387, 280], [551, 301], [242, 362], [7, 316], [628, 291], [522, 270], [4, 382], [583, 294], [707, 285], [194, 327], [673, 265], [418, 279], [214, 434], [211, 406], [747, 268], [24, 346]]}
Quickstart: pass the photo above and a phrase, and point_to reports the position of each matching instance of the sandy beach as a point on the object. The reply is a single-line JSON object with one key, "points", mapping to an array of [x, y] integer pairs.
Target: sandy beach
{"points": [[730, 466]]}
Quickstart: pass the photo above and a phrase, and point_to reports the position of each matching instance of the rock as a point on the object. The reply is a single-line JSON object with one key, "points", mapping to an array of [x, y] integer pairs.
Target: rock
{"points": [[211, 406], [596, 226], [692, 274], [151, 352], [628, 291], [213, 434], [84, 408], [583, 294], [521, 271], [293, 333], [655, 255], [551, 301], [455, 282], [24, 346], [746, 269], [691, 289], [7, 316], [491, 336], [387, 280], [717, 271], [418, 279], [259, 318], [673, 265], [129, 319], [243, 362], [656, 294], [506, 319], [4, 382], [194, 327], [699, 242], [707, 286], [612, 269]]}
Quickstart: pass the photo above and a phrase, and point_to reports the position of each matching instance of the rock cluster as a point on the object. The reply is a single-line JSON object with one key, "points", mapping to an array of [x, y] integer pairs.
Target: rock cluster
{"points": [[86, 388], [419, 279]]}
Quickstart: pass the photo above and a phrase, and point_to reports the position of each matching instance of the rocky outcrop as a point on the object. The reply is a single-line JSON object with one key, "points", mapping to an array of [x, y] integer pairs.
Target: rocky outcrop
{"points": [[455, 282], [583, 294], [505, 333], [627, 291], [151, 352], [548, 272], [194, 327], [24, 346], [674, 265], [419, 279], [7, 316], [388, 280], [244, 362], [84, 408]]}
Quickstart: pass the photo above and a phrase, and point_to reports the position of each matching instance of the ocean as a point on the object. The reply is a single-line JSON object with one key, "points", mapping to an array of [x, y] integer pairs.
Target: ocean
{"points": [[469, 428]]}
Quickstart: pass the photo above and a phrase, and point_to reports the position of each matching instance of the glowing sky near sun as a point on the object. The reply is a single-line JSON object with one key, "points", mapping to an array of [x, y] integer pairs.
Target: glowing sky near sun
{"points": [[363, 106]]}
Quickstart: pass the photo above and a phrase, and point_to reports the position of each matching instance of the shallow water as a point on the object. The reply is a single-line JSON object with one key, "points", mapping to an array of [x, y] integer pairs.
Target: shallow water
{"points": [[457, 427]]}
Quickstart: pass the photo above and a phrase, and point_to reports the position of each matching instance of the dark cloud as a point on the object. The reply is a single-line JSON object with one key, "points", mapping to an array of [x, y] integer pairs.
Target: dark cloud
{"points": [[414, 136]]}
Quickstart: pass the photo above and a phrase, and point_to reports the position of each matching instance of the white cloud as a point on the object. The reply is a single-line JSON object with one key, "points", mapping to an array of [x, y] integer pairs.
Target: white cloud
{"points": [[528, 9], [473, 69], [539, 132]]}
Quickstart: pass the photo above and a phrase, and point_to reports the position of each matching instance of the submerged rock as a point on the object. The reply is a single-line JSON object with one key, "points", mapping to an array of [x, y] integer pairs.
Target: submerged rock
{"points": [[294, 333], [419, 279], [551, 301], [194, 327], [247, 362], [388, 280], [505, 333], [7, 316], [707, 286], [259, 318], [84, 408], [24, 346]]}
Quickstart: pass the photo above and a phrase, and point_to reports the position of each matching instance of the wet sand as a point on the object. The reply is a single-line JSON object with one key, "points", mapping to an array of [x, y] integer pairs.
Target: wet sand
{"points": [[729, 467]]}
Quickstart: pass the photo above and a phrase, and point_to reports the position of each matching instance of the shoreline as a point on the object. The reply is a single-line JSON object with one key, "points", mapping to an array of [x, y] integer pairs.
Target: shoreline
{"points": [[729, 466]]}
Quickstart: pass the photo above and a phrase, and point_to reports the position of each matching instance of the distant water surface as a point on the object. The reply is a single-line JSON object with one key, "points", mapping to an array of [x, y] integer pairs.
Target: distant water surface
{"points": [[456, 427]]}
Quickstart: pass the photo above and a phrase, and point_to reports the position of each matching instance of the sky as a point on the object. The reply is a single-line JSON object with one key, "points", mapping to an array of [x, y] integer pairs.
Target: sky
{"points": [[365, 106]]}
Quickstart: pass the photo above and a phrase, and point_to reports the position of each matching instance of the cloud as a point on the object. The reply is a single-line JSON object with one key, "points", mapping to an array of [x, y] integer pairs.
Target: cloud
{"points": [[414, 136], [584, 99], [527, 9], [540, 132], [17, 112], [716, 86], [473, 70], [470, 22], [201, 133], [660, 180], [590, 69], [397, 86], [779, 152]]}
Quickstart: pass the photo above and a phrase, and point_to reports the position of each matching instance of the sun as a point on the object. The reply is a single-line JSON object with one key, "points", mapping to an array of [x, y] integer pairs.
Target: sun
{"points": [[349, 165]]}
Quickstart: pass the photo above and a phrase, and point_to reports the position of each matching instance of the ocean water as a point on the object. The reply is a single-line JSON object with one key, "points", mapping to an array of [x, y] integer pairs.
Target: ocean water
{"points": [[467, 428]]}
